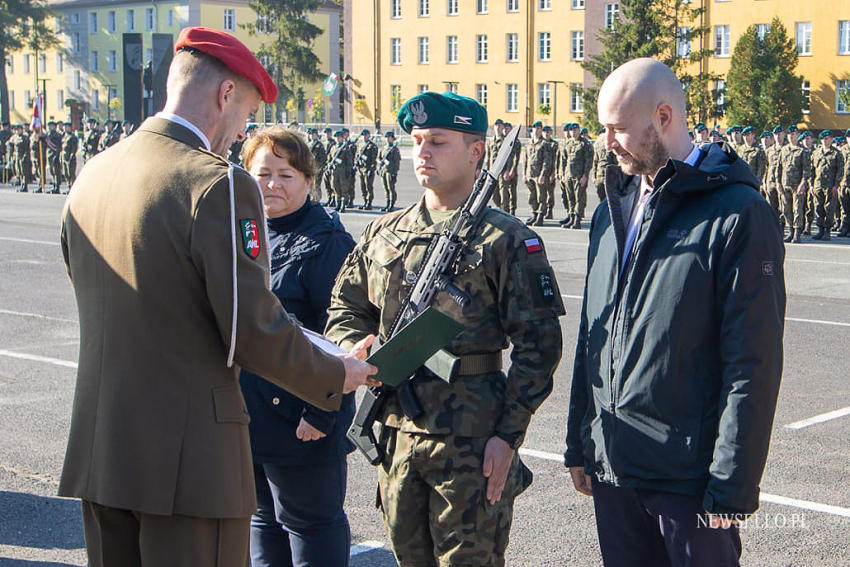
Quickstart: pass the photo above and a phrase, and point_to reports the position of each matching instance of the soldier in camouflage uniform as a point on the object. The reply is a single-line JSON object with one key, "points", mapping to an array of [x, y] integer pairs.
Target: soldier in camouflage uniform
{"points": [[54, 155], [493, 146], [769, 185], [792, 173], [449, 477], [807, 142], [389, 160], [576, 162], [90, 143], [38, 158], [350, 179], [367, 154], [702, 134], [539, 165], [844, 190], [329, 143], [828, 168], [20, 155], [320, 158], [602, 158], [70, 144], [752, 153], [735, 137], [340, 164], [509, 179], [549, 186]]}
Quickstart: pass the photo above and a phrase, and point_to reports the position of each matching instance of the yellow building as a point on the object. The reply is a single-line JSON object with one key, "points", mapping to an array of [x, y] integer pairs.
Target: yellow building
{"points": [[86, 74], [513, 56], [505, 52]]}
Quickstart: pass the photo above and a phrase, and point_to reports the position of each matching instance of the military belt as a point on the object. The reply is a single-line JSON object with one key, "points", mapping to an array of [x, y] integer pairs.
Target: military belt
{"points": [[479, 363]]}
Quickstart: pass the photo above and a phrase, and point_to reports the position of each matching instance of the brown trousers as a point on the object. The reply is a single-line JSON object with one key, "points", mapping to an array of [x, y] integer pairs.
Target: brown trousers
{"points": [[123, 538]]}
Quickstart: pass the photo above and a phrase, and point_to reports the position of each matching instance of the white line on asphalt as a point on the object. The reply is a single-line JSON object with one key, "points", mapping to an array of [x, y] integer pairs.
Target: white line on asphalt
{"points": [[37, 358], [819, 418], [817, 261], [36, 315], [565, 296], [28, 241], [818, 322], [764, 497], [365, 547]]}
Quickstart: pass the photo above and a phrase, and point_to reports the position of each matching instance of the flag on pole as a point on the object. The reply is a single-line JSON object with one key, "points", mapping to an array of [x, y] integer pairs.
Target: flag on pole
{"points": [[37, 111], [330, 84]]}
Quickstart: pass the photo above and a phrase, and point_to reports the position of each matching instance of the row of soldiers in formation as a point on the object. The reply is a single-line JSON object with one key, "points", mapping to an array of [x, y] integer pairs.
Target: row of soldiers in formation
{"points": [[28, 154], [340, 162], [806, 181]]}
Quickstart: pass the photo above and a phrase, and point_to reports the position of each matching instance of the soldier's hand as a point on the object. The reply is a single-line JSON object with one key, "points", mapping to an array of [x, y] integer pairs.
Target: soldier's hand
{"points": [[541, 180], [358, 372], [583, 180], [801, 189], [581, 481], [498, 456], [307, 432]]}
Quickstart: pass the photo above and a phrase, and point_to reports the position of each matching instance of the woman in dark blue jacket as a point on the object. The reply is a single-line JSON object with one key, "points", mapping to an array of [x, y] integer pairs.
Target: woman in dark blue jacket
{"points": [[299, 451]]}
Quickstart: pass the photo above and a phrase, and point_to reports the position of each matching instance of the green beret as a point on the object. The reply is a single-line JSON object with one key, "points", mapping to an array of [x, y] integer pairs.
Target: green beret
{"points": [[497, 122], [365, 131], [839, 140], [508, 125], [566, 126], [714, 133], [446, 110], [339, 133], [601, 130], [389, 134], [777, 129], [805, 134], [537, 124], [344, 130], [701, 127], [825, 134], [766, 134], [66, 124], [736, 128], [583, 131], [791, 128], [547, 128], [847, 133], [328, 129], [747, 130]]}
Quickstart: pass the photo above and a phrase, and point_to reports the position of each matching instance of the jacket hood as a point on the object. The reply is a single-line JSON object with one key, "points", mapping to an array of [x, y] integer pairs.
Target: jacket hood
{"points": [[717, 166]]}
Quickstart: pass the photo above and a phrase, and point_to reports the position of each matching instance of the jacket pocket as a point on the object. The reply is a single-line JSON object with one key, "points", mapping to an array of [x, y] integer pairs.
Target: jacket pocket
{"points": [[229, 404]]}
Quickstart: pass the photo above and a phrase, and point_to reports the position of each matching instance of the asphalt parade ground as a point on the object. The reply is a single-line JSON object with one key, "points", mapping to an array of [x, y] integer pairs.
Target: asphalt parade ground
{"points": [[804, 519]]}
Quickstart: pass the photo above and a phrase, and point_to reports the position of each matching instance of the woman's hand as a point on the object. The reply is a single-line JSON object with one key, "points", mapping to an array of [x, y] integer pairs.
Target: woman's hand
{"points": [[307, 432]]}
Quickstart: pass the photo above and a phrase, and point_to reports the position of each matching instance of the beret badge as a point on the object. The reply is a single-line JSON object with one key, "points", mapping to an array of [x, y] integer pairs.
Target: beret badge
{"points": [[418, 111]]}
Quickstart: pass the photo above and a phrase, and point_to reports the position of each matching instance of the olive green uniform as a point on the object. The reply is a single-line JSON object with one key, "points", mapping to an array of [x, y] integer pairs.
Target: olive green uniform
{"points": [[432, 492], [494, 144], [771, 186], [366, 160], [389, 161], [328, 144], [576, 161], [70, 144], [320, 157], [90, 146], [54, 157], [20, 156], [757, 160], [38, 158], [341, 164], [549, 185], [828, 169], [794, 169], [350, 179], [602, 158], [844, 194], [539, 161]]}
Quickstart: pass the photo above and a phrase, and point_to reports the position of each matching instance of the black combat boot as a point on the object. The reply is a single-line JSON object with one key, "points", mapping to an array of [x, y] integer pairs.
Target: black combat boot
{"points": [[576, 223], [789, 237], [797, 235], [538, 219], [808, 229], [549, 212], [530, 220], [821, 235], [566, 220]]}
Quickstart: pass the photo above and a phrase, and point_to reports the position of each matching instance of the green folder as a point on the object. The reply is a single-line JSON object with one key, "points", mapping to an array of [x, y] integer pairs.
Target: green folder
{"points": [[398, 358]]}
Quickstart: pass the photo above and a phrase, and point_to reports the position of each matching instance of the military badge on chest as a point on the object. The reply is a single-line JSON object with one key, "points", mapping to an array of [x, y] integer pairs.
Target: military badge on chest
{"points": [[250, 237]]}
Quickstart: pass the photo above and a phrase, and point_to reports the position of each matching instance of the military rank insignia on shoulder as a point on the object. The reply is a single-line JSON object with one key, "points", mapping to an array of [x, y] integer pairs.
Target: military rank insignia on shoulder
{"points": [[250, 237]]}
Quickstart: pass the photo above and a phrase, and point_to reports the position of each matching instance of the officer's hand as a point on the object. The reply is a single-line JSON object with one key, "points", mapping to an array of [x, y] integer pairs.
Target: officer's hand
{"points": [[497, 462], [358, 372], [581, 481], [307, 432], [361, 349]]}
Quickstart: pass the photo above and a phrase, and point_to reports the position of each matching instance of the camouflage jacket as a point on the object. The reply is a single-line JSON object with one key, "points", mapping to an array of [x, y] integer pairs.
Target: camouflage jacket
{"points": [[602, 158], [366, 156], [70, 144], [389, 159], [494, 144], [54, 144], [846, 177], [329, 146], [828, 167], [575, 158], [514, 297], [539, 159], [341, 161], [794, 166], [20, 146], [320, 156], [90, 147], [772, 154], [755, 157]]}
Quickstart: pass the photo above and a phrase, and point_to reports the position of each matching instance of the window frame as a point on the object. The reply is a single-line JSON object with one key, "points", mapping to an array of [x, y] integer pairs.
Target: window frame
{"points": [[576, 35], [845, 39], [395, 51], [722, 48], [514, 44], [512, 95], [544, 43], [452, 50], [481, 40], [481, 88], [806, 26], [423, 50]]}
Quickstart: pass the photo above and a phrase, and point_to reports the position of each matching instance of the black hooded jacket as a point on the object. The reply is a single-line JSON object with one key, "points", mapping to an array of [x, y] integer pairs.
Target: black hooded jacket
{"points": [[679, 357]]}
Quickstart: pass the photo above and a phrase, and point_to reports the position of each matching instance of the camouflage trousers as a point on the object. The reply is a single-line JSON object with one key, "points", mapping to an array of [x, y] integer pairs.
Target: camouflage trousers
{"points": [[772, 196], [389, 180], [549, 188], [824, 198], [367, 185], [844, 201], [799, 208], [576, 196], [507, 191], [538, 199], [786, 206], [69, 170], [600, 191], [339, 187], [327, 177], [316, 188], [432, 495]]}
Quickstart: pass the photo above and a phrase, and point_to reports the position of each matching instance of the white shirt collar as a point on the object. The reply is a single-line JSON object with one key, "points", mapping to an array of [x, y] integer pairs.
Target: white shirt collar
{"points": [[693, 156], [185, 123]]}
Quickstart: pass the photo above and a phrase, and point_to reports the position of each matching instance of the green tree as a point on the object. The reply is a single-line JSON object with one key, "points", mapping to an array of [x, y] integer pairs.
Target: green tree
{"points": [[23, 25], [761, 87], [655, 28], [288, 53]]}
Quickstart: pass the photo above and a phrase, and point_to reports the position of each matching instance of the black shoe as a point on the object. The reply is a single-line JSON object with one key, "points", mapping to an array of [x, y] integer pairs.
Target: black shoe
{"points": [[821, 235], [567, 219], [549, 214], [538, 221], [577, 224], [796, 239], [789, 237], [361, 207], [21, 190], [37, 191], [808, 229], [530, 220]]}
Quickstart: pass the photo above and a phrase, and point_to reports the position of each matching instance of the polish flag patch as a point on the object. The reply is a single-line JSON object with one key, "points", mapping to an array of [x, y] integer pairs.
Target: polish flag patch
{"points": [[465, 120], [533, 245]]}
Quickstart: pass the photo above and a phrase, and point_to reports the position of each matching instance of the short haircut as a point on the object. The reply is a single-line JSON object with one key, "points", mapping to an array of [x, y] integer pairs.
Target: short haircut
{"points": [[470, 138], [284, 143], [193, 69]]}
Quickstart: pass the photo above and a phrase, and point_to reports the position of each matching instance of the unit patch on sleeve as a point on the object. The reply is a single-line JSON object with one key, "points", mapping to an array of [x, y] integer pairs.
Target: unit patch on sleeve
{"points": [[533, 245], [250, 237]]}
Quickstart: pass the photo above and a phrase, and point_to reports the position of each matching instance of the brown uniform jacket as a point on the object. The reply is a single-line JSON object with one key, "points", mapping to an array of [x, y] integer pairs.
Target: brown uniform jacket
{"points": [[159, 424]]}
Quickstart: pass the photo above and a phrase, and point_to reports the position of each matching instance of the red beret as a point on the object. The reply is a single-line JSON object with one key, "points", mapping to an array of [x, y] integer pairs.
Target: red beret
{"points": [[232, 53]]}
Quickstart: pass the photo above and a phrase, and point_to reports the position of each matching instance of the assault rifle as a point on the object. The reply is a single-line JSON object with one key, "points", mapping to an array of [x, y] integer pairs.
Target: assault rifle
{"points": [[436, 274]]}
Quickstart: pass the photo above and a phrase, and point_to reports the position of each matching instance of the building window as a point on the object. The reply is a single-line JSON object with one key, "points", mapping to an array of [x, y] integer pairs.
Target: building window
{"points": [[423, 89], [110, 21], [578, 4], [95, 99], [78, 84], [683, 43], [844, 37], [543, 97], [451, 49], [395, 51], [512, 97], [544, 4], [612, 14], [721, 41], [481, 48], [424, 57], [75, 42], [513, 6], [481, 94], [452, 9], [761, 30], [93, 63], [842, 94], [806, 87], [60, 98], [112, 94], [544, 46], [395, 8], [576, 104], [452, 86], [481, 7], [131, 20], [577, 45], [75, 18], [804, 38], [27, 98], [10, 64], [42, 63], [229, 19], [92, 22], [12, 100], [26, 63], [170, 18], [513, 47], [720, 94], [424, 8], [149, 23], [112, 60]]}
